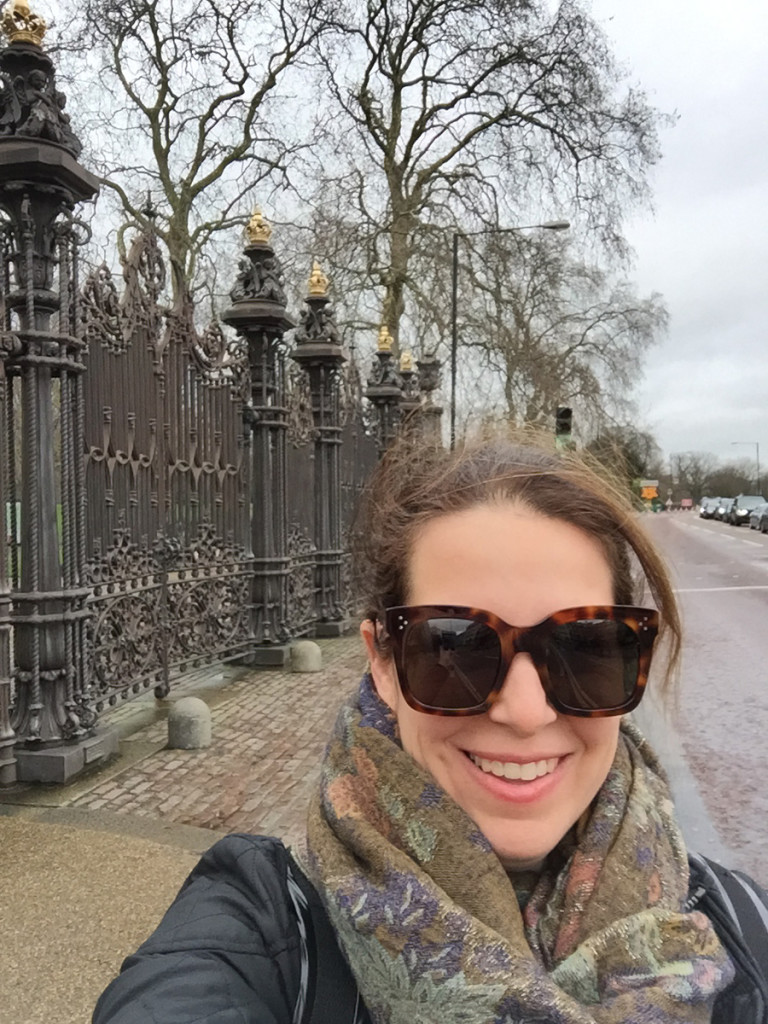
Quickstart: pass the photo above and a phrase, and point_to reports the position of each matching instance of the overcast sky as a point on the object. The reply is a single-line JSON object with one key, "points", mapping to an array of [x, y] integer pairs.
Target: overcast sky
{"points": [[706, 246]]}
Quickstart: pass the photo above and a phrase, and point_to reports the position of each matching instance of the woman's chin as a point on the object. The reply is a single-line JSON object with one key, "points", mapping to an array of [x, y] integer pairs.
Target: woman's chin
{"points": [[514, 864]]}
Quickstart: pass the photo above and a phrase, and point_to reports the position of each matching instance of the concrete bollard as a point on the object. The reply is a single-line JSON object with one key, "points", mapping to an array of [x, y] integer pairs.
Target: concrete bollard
{"points": [[189, 724], [306, 656]]}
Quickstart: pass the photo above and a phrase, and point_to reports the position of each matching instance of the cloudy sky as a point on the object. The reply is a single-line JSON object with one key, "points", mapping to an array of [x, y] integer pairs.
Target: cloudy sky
{"points": [[706, 246]]}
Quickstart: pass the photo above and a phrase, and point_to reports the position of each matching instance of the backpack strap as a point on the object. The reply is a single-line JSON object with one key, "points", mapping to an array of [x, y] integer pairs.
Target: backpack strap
{"points": [[328, 993], [738, 909], [746, 902]]}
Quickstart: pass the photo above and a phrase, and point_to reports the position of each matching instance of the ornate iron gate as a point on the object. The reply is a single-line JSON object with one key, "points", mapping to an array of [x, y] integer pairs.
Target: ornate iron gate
{"points": [[167, 482]]}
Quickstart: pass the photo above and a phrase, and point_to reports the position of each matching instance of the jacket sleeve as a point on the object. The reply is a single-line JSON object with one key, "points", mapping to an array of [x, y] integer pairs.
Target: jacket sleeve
{"points": [[226, 951]]}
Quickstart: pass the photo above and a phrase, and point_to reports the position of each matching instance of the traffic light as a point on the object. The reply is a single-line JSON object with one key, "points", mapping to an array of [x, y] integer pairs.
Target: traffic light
{"points": [[563, 424]]}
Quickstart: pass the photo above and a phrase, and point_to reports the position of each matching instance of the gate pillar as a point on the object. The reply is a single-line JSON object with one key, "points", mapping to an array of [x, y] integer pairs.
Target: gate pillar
{"points": [[40, 183], [318, 350], [258, 314], [409, 403], [9, 344], [431, 414], [384, 391]]}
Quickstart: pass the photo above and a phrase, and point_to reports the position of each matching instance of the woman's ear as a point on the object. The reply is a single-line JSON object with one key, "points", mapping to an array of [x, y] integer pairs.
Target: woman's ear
{"points": [[382, 666]]}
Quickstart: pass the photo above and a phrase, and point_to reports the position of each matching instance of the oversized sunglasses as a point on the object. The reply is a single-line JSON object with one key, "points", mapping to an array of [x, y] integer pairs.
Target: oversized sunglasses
{"points": [[592, 661]]}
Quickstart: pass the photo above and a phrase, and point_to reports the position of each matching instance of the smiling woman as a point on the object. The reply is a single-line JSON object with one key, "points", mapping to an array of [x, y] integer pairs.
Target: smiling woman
{"points": [[491, 840], [524, 567]]}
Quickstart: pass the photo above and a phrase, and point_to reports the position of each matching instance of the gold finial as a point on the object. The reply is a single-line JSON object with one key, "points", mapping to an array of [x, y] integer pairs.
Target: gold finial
{"points": [[385, 339], [20, 25], [258, 231], [318, 282], [406, 363]]}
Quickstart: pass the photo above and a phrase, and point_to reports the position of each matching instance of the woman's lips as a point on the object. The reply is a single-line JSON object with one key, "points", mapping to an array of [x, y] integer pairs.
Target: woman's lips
{"points": [[517, 781]]}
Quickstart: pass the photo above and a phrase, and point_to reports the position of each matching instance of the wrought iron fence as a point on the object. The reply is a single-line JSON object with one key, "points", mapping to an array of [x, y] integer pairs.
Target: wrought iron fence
{"points": [[168, 498]]}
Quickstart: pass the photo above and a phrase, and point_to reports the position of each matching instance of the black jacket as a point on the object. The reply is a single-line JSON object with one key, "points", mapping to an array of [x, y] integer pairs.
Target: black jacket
{"points": [[241, 943]]}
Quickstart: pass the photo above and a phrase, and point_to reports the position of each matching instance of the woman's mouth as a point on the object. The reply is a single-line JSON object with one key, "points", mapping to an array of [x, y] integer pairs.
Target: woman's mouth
{"points": [[525, 772]]}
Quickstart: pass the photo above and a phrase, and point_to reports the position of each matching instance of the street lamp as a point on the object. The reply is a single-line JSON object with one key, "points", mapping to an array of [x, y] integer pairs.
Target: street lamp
{"points": [[550, 225], [757, 459]]}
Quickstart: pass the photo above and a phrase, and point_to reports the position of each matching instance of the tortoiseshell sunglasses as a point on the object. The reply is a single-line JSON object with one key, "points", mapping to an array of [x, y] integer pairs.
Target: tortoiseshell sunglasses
{"points": [[592, 661]]}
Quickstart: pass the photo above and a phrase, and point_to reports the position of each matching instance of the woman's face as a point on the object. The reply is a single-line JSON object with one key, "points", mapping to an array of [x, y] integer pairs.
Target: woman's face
{"points": [[522, 566]]}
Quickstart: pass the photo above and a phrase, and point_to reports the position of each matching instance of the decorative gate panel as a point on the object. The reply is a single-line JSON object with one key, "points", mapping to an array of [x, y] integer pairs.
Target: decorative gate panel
{"points": [[167, 485]]}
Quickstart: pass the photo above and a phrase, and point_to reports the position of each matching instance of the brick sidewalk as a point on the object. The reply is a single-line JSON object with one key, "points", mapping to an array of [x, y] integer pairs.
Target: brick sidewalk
{"points": [[269, 732]]}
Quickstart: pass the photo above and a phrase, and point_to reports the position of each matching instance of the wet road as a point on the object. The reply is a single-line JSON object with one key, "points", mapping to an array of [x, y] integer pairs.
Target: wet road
{"points": [[721, 575]]}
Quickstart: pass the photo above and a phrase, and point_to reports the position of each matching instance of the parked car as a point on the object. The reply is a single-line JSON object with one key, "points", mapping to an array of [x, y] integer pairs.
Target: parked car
{"points": [[723, 508], [758, 518], [742, 506]]}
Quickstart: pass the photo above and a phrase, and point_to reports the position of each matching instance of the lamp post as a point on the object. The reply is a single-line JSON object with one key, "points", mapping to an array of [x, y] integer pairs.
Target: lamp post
{"points": [[552, 225], [757, 459]]}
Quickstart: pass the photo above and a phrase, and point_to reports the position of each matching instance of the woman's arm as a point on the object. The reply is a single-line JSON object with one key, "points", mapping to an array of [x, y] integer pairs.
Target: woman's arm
{"points": [[226, 951]]}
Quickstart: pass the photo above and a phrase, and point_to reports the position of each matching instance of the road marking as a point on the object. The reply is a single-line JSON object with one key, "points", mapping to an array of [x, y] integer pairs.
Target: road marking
{"points": [[754, 543], [715, 590]]}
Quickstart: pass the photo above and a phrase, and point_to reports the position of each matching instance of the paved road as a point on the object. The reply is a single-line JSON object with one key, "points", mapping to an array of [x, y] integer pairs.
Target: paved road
{"points": [[721, 573]]}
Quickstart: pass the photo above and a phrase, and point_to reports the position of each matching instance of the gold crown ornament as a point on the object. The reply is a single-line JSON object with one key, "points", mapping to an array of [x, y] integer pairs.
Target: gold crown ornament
{"points": [[258, 230], [406, 363], [385, 339], [318, 282], [20, 25]]}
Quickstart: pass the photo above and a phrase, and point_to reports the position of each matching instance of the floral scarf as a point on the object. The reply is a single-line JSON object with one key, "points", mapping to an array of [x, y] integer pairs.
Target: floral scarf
{"points": [[431, 924]]}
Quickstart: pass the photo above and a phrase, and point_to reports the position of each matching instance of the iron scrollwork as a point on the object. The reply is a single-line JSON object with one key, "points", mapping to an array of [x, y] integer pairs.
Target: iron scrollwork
{"points": [[301, 422], [301, 581], [102, 314], [122, 632]]}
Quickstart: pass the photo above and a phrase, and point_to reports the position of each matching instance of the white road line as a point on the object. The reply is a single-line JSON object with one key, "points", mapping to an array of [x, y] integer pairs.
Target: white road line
{"points": [[716, 590], [754, 543]]}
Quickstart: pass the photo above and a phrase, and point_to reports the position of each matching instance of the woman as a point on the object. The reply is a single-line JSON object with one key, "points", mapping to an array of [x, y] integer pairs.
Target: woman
{"points": [[492, 841]]}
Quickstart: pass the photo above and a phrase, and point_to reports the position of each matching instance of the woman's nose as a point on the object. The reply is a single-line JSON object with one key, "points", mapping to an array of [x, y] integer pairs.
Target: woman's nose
{"points": [[522, 704]]}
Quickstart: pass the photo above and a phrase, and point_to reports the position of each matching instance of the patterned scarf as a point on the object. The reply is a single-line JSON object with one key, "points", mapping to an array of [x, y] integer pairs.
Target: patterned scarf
{"points": [[430, 922]]}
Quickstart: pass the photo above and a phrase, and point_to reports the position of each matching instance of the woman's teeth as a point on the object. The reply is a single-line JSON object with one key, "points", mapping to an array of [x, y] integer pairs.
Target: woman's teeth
{"points": [[511, 770]]}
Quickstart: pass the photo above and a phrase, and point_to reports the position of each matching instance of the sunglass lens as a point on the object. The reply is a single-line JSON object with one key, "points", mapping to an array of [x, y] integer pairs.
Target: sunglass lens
{"points": [[592, 664], [451, 664]]}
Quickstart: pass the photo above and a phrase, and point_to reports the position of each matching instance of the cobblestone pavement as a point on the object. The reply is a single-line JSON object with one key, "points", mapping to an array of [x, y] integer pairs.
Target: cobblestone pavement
{"points": [[269, 733]]}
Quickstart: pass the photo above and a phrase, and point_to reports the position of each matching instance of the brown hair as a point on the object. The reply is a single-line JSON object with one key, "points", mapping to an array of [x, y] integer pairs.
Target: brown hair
{"points": [[418, 481]]}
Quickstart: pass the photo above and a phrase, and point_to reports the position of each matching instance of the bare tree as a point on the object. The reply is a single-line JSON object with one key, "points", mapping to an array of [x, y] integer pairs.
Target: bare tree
{"points": [[553, 330], [632, 454], [694, 472], [732, 478], [186, 107], [457, 104]]}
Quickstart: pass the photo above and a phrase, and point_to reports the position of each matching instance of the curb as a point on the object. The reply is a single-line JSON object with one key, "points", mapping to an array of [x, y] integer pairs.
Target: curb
{"points": [[183, 837], [698, 829]]}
